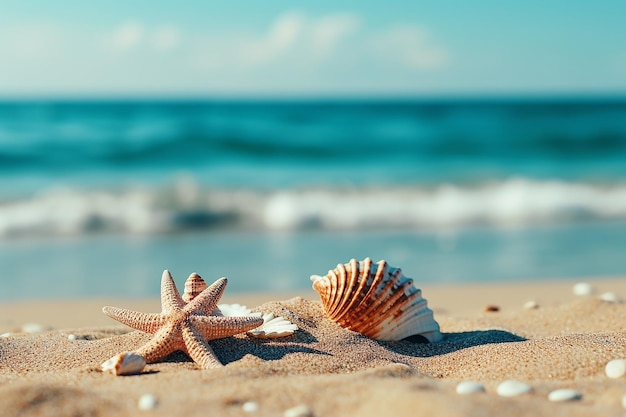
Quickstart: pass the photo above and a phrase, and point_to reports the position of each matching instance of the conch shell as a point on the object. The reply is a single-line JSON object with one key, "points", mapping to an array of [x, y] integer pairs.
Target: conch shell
{"points": [[376, 300], [193, 286]]}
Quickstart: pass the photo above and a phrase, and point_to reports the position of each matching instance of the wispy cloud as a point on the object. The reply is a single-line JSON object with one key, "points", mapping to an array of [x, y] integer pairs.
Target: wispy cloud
{"points": [[292, 39], [127, 36], [33, 41], [295, 49], [132, 35], [166, 38], [329, 31], [412, 46]]}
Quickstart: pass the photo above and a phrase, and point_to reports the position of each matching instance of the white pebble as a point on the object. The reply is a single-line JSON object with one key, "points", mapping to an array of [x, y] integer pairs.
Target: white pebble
{"points": [[72, 337], [531, 305], [33, 328], [615, 368], [250, 407], [583, 288], [564, 394], [298, 411], [7, 334], [469, 387], [147, 402], [512, 388], [611, 297], [624, 401]]}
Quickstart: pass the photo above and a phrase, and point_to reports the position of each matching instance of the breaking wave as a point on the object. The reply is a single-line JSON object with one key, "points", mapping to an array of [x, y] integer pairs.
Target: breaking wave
{"points": [[186, 206]]}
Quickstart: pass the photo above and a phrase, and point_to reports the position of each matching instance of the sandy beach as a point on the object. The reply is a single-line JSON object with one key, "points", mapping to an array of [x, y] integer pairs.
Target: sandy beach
{"points": [[565, 342]]}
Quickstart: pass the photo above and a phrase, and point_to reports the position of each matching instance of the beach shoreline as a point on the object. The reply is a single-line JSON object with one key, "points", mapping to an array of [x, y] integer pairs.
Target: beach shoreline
{"points": [[490, 333]]}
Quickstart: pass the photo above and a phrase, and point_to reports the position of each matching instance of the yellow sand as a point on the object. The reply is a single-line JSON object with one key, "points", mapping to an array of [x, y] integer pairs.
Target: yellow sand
{"points": [[565, 343]]}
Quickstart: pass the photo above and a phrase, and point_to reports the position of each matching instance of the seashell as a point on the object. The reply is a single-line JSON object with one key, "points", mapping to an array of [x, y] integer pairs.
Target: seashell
{"points": [[376, 300], [126, 363], [273, 328], [236, 310], [531, 305], [193, 286]]}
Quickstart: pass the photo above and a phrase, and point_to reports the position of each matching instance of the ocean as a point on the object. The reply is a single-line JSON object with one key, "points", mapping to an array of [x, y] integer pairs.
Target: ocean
{"points": [[98, 197]]}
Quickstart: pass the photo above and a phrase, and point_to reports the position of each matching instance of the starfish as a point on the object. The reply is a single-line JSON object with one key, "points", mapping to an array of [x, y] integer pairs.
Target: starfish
{"points": [[184, 326]]}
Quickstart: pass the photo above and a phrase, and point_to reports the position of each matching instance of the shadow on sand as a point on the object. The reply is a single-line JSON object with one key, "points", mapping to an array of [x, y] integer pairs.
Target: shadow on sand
{"points": [[419, 346], [233, 349]]}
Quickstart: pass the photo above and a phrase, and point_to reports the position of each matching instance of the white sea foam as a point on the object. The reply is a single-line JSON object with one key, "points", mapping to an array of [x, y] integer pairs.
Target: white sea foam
{"points": [[507, 203], [187, 206]]}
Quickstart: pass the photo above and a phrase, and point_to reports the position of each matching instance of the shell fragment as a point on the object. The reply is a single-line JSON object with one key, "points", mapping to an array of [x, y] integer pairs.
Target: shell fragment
{"points": [[273, 327], [126, 363]]}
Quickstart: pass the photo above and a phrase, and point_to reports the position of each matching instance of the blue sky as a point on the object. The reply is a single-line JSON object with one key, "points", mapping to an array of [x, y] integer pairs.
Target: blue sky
{"points": [[327, 48]]}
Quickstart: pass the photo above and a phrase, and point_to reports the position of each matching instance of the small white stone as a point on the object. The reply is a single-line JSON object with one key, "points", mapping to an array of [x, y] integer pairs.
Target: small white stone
{"points": [[624, 401], [531, 305], [513, 388], [469, 387], [615, 368], [564, 394], [583, 288], [7, 334], [147, 402], [250, 407], [33, 328], [298, 411], [611, 297], [72, 337]]}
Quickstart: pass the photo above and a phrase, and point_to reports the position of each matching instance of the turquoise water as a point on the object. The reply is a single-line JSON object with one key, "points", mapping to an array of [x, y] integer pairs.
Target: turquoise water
{"points": [[262, 261], [97, 198]]}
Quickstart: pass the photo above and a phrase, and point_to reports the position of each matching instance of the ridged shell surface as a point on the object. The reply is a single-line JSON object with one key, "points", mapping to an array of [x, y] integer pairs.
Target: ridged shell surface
{"points": [[193, 286], [273, 328], [376, 300]]}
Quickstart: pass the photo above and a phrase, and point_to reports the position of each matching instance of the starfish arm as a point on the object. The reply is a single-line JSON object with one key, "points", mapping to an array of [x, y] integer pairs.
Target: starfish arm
{"points": [[170, 298], [207, 300], [217, 327], [145, 322], [164, 342], [199, 350]]}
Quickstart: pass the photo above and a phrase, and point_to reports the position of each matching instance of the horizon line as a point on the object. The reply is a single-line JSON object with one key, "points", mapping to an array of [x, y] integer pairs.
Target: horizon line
{"points": [[323, 97]]}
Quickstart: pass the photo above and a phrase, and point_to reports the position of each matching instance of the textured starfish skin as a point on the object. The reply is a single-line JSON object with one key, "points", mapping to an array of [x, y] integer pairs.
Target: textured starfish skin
{"points": [[184, 326]]}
